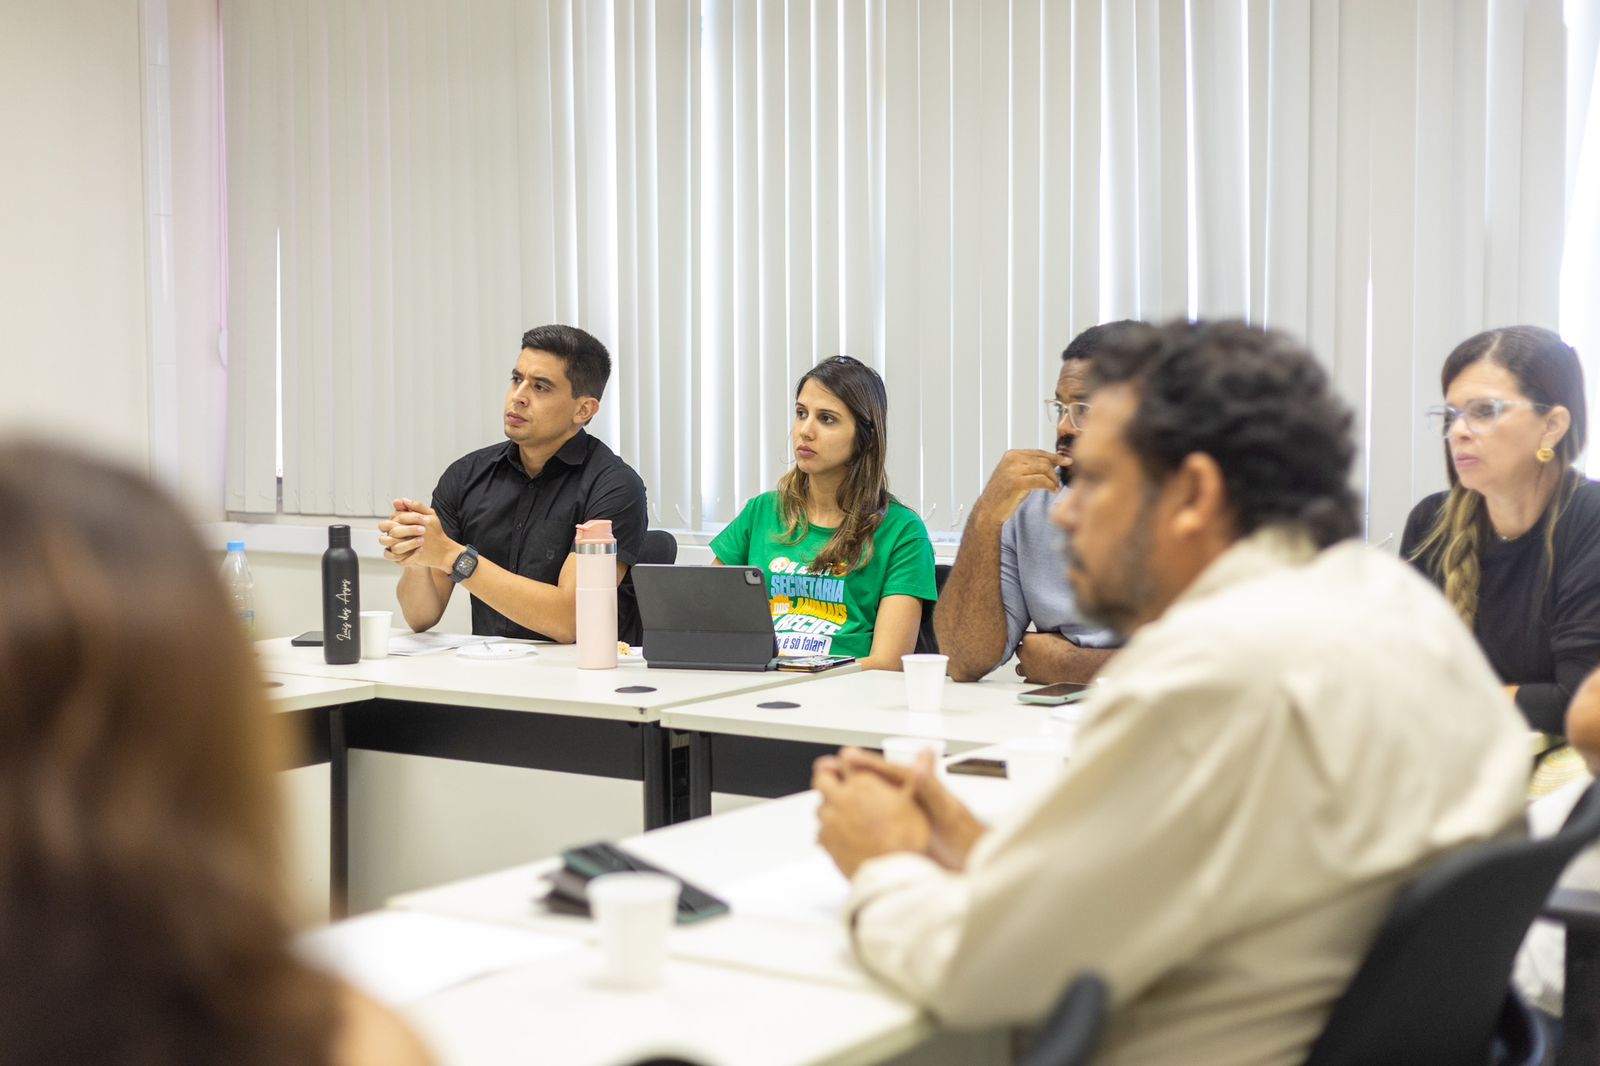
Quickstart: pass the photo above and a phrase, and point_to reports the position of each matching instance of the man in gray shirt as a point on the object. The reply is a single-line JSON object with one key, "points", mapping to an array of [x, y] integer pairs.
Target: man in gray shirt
{"points": [[1008, 573]]}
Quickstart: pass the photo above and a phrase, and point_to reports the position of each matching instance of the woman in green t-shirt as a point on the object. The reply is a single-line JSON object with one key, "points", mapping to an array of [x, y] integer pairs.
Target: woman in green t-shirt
{"points": [[848, 566]]}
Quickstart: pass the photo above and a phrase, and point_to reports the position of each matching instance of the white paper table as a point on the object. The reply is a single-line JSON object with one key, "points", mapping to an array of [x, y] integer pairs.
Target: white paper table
{"points": [[773, 982], [481, 994], [287, 693], [539, 713], [560, 1013], [762, 744], [785, 895], [547, 681]]}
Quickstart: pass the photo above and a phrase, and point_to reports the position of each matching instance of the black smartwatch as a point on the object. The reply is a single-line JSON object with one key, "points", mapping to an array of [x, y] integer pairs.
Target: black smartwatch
{"points": [[464, 565]]}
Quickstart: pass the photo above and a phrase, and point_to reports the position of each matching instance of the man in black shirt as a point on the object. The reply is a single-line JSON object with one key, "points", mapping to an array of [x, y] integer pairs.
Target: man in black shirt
{"points": [[503, 518]]}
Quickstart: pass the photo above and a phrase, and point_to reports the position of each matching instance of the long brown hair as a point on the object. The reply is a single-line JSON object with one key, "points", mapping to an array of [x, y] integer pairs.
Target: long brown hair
{"points": [[1549, 373], [864, 493], [141, 908]]}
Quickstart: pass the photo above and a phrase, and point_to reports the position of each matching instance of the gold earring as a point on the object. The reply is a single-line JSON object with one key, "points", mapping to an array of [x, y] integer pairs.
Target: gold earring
{"points": [[1544, 455]]}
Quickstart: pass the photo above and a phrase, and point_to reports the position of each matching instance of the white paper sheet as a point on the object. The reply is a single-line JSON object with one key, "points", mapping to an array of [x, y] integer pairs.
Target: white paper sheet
{"points": [[422, 643], [399, 957]]}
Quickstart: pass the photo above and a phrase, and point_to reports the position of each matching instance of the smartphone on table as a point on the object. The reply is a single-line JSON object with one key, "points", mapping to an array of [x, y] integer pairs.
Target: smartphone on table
{"points": [[812, 664], [1050, 695]]}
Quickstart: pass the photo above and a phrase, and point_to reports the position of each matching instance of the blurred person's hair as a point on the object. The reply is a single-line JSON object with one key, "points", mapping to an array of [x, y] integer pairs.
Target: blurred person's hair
{"points": [[1549, 373], [142, 913], [1257, 403]]}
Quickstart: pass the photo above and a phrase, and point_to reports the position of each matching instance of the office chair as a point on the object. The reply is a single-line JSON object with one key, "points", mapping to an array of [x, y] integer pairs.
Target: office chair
{"points": [[1579, 910], [659, 547], [1435, 985], [1072, 1032], [927, 639]]}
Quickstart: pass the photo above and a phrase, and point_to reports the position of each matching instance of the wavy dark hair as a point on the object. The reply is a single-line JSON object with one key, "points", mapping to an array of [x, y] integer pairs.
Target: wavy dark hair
{"points": [[864, 494], [1255, 401], [1549, 373], [142, 917]]}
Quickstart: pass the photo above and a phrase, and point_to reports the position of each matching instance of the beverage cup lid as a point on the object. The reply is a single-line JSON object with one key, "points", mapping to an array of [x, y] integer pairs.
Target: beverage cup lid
{"points": [[596, 531]]}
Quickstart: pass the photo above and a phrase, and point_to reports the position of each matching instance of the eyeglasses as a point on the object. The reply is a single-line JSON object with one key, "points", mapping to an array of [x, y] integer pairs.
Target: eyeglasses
{"points": [[1076, 413], [1480, 415]]}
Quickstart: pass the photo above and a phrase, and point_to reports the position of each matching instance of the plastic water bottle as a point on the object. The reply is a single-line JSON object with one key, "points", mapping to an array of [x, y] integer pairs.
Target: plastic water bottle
{"points": [[241, 586], [597, 595]]}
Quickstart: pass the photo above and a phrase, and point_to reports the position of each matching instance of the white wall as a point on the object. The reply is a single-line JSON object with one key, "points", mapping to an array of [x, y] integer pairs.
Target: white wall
{"points": [[73, 230], [72, 294]]}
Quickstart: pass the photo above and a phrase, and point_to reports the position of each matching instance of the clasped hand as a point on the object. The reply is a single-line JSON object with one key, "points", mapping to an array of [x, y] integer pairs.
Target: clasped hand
{"points": [[871, 807], [412, 536]]}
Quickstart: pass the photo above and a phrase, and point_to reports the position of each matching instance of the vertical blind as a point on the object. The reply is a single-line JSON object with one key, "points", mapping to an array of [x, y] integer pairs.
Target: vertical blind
{"points": [[725, 191]]}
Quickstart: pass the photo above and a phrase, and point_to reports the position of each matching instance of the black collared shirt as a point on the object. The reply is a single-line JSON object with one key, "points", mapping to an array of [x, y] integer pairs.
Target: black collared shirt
{"points": [[527, 525]]}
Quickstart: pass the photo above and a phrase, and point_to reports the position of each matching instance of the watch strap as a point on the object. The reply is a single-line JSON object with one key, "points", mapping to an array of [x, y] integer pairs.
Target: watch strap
{"points": [[464, 565]]}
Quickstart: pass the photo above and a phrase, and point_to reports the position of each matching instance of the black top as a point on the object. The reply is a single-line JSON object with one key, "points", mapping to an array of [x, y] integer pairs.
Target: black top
{"points": [[1543, 635], [527, 525]]}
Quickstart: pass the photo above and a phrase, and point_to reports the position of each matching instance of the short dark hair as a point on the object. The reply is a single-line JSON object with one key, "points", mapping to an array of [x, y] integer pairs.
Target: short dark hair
{"points": [[1087, 344], [1256, 402], [587, 361]]}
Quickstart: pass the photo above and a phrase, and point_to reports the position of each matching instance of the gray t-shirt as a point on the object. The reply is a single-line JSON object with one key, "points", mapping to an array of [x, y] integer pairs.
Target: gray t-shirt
{"points": [[1033, 579]]}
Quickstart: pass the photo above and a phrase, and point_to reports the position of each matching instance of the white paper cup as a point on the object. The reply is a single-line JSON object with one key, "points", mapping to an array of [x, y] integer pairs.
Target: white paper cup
{"points": [[633, 912], [924, 681], [903, 751], [375, 633], [1033, 763]]}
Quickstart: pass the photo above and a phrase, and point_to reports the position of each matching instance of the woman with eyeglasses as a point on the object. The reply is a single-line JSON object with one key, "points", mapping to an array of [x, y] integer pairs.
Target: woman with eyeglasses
{"points": [[848, 566], [1515, 541]]}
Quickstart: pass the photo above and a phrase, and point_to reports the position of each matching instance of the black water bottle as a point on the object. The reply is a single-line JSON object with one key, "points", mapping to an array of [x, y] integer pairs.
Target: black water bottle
{"points": [[341, 599]]}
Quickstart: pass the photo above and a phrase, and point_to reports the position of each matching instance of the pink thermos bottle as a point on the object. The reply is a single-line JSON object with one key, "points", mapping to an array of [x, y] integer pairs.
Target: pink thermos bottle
{"points": [[597, 596]]}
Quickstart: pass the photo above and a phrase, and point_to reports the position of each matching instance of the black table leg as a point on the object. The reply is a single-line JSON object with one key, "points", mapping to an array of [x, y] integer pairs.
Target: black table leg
{"points": [[656, 772], [338, 816], [699, 775]]}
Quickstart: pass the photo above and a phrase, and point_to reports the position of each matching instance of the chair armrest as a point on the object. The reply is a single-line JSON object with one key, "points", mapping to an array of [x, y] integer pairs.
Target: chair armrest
{"points": [[1577, 909], [1580, 999]]}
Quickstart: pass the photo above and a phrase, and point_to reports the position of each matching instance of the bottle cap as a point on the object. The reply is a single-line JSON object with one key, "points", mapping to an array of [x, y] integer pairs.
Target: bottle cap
{"points": [[338, 536], [596, 531], [236, 545]]}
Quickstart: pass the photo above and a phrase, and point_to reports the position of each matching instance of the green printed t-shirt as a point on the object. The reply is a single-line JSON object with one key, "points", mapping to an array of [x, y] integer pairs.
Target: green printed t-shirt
{"points": [[823, 614]]}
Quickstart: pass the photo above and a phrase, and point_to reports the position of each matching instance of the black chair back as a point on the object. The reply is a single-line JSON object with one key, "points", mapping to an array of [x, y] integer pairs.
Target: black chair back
{"points": [[927, 639], [1434, 985], [1072, 1032], [659, 547]]}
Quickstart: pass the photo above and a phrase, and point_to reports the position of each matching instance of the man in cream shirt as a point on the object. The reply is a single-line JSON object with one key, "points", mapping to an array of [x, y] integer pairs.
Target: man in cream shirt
{"points": [[1297, 726]]}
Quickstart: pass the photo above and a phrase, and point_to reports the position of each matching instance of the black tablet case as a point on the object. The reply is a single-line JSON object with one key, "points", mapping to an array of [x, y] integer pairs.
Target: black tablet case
{"points": [[705, 617]]}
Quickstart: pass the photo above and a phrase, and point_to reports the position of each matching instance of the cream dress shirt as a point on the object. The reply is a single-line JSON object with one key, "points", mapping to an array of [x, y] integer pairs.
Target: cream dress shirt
{"points": [[1264, 766]]}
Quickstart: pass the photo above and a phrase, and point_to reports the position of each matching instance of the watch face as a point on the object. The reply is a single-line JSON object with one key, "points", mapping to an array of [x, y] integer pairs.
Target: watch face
{"points": [[464, 565]]}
